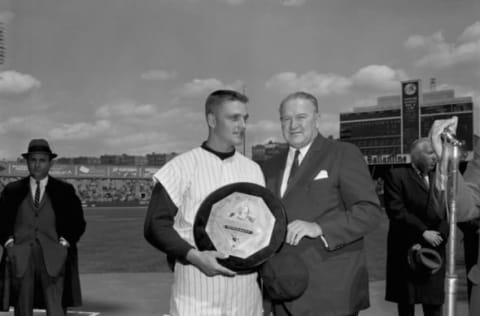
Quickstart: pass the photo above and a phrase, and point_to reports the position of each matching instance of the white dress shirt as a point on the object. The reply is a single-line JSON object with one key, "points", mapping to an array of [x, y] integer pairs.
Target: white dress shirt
{"points": [[33, 186], [288, 166]]}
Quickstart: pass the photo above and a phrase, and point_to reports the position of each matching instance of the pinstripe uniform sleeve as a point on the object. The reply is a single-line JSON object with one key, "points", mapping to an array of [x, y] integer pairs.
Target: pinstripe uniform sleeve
{"points": [[162, 209], [172, 179], [158, 229]]}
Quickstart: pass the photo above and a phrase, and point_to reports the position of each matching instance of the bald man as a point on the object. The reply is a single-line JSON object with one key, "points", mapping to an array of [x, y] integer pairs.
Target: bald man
{"points": [[416, 217]]}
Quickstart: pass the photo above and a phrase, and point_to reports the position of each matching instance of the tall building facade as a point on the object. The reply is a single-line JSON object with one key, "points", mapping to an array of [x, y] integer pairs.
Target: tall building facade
{"points": [[3, 43], [6, 17], [384, 132]]}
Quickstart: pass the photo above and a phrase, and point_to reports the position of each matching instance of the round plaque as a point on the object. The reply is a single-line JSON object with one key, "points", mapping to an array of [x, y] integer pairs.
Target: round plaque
{"points": [[243, 220]]}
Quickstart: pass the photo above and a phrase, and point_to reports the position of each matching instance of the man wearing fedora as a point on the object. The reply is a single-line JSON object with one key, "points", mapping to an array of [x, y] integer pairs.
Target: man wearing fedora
{"points": [[41, 221], [418, 231]]}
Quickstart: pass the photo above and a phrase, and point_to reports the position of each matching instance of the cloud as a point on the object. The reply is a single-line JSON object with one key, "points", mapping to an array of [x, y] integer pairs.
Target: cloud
{"points": [[78, 131], [229, 2], [313, 82], [264, 126], [135, 139], [380, 77], [441, 54], [263, 131], [6, 16], [376, 77], [293, 3], [142, 128], [234, 2], [26, 126], [202, 87], [126, 109], [159, 75], [329, 124], [471, 33], [12, 82]]}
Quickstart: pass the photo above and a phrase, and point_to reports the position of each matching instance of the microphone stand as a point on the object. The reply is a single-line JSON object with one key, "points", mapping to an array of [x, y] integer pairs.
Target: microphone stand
{"points": [[451, 275]]}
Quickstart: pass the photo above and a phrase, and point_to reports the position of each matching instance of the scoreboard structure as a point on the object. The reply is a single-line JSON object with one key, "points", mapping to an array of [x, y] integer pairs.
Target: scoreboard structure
{"points": [[384, 132]]}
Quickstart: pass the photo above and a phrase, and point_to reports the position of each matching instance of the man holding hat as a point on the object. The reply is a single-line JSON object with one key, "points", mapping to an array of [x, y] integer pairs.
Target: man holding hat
{"points": [[417, 234], [41, 221], [331, 205]]}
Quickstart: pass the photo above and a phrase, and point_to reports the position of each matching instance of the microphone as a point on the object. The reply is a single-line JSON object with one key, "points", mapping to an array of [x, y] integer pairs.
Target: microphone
{"points": [[448, 136]]}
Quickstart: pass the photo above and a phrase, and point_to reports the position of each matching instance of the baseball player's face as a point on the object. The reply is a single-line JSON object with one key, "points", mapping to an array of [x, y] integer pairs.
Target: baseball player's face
{"points": [[299, 122], [230, 122], [39, 165]]}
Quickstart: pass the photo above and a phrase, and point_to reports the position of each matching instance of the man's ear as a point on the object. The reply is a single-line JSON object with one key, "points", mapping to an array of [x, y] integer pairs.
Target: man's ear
{"points": [[317, 120], [211, 120]]}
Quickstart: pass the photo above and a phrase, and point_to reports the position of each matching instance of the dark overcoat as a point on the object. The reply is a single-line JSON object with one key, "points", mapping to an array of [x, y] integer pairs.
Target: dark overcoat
{"points": [[412, 209], [333, 188], [70, 224]]}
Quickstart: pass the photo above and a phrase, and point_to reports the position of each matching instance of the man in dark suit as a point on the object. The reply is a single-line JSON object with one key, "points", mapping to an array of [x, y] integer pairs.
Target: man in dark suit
{"points": [[417, 217], [331, 205], [41, 221]]}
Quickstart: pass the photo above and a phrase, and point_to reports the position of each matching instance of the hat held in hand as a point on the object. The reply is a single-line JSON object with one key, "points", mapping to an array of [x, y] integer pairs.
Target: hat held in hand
{"points": [[424, 260], [284, 276]]}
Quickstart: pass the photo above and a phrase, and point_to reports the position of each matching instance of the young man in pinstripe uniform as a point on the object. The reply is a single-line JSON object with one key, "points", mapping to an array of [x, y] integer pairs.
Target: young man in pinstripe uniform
{"points": [[201, 285]]}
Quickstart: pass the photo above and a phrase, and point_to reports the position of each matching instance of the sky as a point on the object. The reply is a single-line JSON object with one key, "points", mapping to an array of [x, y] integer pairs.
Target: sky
{"points": [[131, 76]]}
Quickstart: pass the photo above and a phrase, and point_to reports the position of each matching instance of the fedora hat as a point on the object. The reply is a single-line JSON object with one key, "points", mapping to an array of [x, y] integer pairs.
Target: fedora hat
{"points": [[284, 277], [39, 146], [424, 260]]}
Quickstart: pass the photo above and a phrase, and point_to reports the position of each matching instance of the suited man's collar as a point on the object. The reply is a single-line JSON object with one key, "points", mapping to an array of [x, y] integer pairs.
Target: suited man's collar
{"points": [[43, 182], [419, 172], [303, 151]]}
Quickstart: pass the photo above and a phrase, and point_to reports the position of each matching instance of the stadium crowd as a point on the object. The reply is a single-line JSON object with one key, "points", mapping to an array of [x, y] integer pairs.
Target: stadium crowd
{"points": [[105, 191], [130, 192]]}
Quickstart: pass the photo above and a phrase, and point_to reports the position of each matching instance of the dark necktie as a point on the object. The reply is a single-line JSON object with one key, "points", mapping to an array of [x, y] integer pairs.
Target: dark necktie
{"points": [[294, 167], [36, 201]]}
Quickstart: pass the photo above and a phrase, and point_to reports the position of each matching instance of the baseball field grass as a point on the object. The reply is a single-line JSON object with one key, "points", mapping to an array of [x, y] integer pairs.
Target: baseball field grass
{"points": [[114, 242], [121, 273]]}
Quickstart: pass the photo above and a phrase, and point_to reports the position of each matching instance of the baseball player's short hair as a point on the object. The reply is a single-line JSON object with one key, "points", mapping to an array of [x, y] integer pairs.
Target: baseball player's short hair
{"points": [[219, 97], [300, 95]]}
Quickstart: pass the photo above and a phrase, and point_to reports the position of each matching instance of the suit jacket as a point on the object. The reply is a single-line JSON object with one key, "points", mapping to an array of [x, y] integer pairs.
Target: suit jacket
{"points": [[70, 224], [343, 202], [412, 208]]}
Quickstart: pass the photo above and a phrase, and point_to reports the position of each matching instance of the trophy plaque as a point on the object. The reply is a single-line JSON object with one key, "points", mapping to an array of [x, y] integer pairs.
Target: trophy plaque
{"points": [[243, 220]]}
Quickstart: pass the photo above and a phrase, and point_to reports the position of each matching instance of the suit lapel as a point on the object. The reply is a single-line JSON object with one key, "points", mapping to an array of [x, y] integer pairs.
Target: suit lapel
{"points": [[282, 163], [418, 179], [308, 162], [25, 189]]}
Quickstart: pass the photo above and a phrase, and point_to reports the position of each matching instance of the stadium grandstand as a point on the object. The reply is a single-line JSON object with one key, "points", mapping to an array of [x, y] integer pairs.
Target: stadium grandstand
{"points": [[96, 185]]}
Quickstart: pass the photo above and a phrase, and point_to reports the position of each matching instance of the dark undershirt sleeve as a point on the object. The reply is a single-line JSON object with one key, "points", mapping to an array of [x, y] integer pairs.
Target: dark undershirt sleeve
{"points": [[158, 228]]}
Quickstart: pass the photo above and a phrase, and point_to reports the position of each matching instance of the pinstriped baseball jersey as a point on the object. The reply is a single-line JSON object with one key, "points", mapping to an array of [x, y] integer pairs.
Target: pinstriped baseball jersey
{"points": [[189, 178]]}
